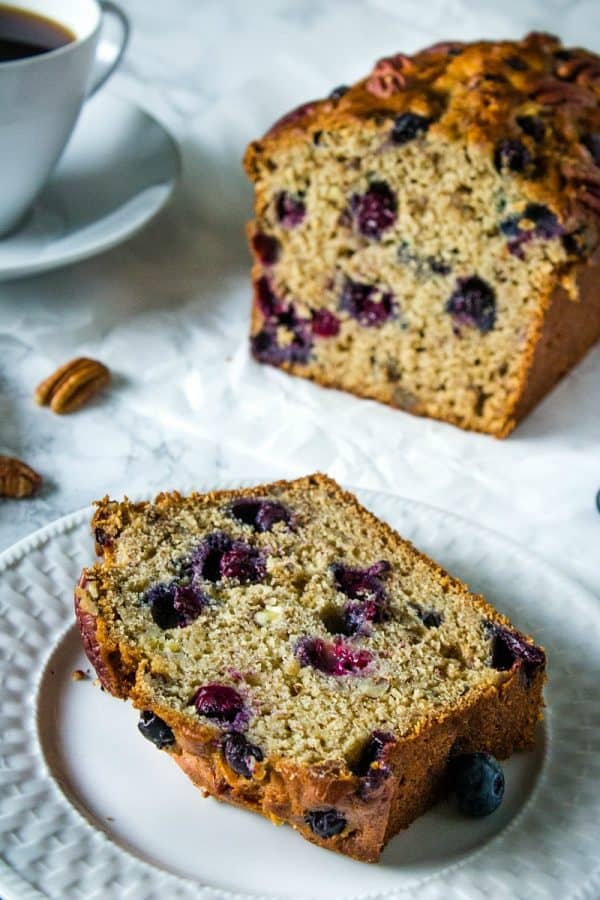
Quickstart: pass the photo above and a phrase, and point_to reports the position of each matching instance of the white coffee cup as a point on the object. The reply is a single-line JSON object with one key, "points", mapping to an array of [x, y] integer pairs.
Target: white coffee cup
{"points": [[41, 96]]}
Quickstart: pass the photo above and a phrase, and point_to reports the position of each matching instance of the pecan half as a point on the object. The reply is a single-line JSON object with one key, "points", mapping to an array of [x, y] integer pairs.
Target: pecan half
{"points": [[72, 385], [389, 75], [17, 479]]}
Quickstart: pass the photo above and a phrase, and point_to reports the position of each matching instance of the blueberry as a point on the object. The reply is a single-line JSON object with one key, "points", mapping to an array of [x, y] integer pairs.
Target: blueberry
{"points": [[375, 210], [290, 209], [516, 63], [473, 303], [365, 586], [223, 705], [155, 730], [408, 126], [511, 155], [532, 126], [429, 617], [219, 556], [161, 598], [509, 648], [206, 558], [370, 766], [325, 823], [240, 754], [324, 323], [244, 563], [188, 603], [265, 344], [360, 583], [102, 538], [356, 618], [545, 221], [260, 514], [592, 143], [268, 302], [438, 266], [266, 247], [359, 300], [598, 501], [477, 780], [337, 658], [338, 92]]}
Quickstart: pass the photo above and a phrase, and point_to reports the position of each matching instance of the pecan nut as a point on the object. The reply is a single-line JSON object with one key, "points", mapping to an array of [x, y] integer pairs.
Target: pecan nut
{"points": [[17, 479], [72, 385]]}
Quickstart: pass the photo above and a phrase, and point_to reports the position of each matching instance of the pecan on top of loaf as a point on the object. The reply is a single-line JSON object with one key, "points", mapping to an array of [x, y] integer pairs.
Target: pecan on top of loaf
{"points": [[534, 104]]}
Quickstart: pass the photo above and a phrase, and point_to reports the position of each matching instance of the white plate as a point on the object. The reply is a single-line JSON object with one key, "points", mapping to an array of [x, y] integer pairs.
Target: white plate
{"points": [[89, 809], [116, 173]]}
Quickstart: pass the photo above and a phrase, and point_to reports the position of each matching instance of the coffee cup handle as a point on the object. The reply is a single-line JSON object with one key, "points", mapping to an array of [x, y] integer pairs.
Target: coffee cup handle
{"points": [[103, 69]]}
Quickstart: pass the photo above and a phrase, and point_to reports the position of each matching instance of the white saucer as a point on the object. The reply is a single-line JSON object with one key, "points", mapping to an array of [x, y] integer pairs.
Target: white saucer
{"points": [[89, 809], [117, 172]]}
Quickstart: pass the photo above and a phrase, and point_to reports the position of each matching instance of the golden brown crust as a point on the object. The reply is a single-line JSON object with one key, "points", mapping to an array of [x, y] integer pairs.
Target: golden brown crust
{"points": [[475, 92], [499, 718], [568, 331]]}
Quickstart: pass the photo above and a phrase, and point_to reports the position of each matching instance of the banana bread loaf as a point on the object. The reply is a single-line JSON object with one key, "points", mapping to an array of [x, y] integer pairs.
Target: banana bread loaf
{"points": [[428, 237], [295, 656]]}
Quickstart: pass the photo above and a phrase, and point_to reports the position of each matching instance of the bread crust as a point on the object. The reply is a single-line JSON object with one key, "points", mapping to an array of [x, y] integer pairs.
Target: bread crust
{"points": [[499, 718]]}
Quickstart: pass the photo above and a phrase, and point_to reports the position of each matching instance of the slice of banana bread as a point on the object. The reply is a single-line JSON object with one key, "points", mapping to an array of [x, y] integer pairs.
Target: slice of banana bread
{"points": [[294, 655], [429, 237]]}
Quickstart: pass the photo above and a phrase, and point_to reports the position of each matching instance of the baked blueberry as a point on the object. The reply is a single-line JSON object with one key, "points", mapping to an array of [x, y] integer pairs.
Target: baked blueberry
{"points": [[429, 617], [325, 823], [173, 605], [473, 303], [266, 247], [260, 514], [223, 705], [240, 754], [154, 729], [545, 221], [509, 648], [268, 302], [366, 303], [290, 209], [325, 323], [361, 583], [408, 126], [375, 210], [511, 155], [338, 92], [516, 63], [477, 780], [357, 618], [219, 556], [336, 658], [102, 538], [371, 766], [532, 126]]}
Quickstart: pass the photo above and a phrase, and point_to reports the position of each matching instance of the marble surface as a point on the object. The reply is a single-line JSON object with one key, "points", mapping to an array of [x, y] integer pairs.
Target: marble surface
{"points": [[168, 310]]}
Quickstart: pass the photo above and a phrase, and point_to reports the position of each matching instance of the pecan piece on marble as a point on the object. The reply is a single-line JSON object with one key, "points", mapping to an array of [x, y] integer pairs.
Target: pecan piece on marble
{"points": [[17, 479], [72, 385]]}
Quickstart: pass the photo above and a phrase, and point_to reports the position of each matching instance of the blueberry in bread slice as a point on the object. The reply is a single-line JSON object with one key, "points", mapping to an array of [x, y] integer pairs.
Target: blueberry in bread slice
{"points": [[429, 237], [295, 656]]}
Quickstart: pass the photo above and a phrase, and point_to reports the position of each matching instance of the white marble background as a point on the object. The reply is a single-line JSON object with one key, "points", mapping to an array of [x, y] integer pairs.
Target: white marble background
{"points": [[168, 310]]}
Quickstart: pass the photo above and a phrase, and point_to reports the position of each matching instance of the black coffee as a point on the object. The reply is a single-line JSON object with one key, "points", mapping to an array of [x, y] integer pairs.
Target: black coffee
{"points": [[24, 34]]}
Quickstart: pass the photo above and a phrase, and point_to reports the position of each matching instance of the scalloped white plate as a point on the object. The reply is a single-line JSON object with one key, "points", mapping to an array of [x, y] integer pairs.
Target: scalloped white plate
{"points": [[89, 809]]}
